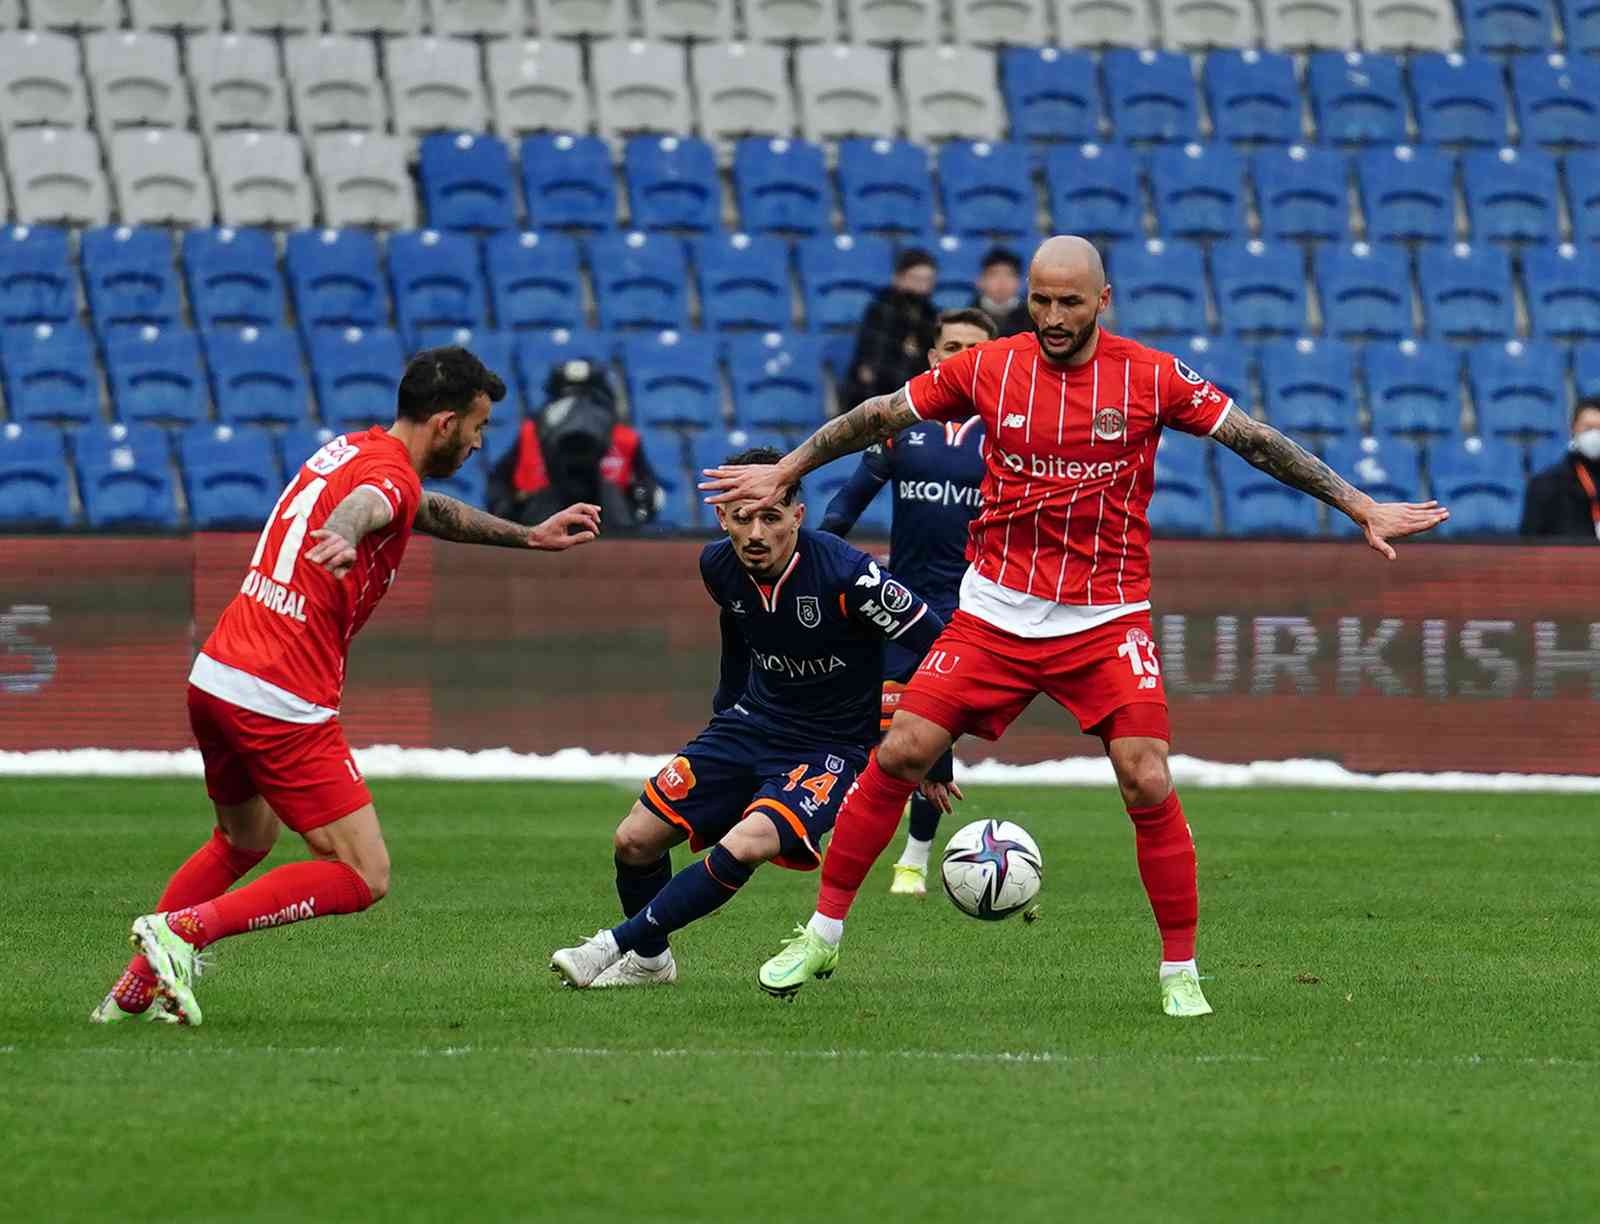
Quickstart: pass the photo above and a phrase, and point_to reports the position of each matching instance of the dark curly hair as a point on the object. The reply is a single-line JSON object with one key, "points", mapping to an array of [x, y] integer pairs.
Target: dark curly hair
{"points": [[445, 380]]}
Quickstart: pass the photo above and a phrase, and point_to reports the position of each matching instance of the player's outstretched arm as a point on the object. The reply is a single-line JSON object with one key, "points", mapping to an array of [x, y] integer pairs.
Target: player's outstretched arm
{"points": [[1264, 447], [333, 545], [870, 421], [445, 518]]}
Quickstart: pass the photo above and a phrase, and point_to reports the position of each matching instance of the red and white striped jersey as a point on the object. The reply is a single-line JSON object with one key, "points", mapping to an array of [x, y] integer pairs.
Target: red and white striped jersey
{"points": [[1070, 465], [283, 641]]}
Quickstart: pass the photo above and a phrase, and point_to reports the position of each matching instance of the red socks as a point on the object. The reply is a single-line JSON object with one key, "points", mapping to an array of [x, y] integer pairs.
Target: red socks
{"points": [[1166, 865], [291, 893], [867, 821]]}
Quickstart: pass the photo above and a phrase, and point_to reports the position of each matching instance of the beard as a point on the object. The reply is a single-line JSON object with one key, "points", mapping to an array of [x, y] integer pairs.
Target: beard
{"points": [[447, 460], [1074, 346]]}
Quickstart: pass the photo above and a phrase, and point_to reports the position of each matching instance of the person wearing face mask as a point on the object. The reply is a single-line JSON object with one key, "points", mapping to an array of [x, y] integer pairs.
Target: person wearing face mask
{"points": [[999, 292], [1564, 499], [896, 331]]}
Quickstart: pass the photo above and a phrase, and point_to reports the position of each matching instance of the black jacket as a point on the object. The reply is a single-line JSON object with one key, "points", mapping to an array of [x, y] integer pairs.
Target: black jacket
{"points": [[892, 346], [1556, 504], [1013, 323]]}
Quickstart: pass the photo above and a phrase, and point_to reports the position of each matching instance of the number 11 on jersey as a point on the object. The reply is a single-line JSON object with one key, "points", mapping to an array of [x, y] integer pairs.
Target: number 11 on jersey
{"points": [[298, 516]]}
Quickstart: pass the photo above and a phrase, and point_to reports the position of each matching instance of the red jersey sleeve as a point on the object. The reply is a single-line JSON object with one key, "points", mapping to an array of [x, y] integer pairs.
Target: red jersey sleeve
{"points": [[392, 480], [1188, 401], [948, 391]]}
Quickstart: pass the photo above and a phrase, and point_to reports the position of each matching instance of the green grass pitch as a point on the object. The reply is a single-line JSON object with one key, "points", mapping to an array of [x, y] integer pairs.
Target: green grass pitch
{"points": [[1406, 1028]]}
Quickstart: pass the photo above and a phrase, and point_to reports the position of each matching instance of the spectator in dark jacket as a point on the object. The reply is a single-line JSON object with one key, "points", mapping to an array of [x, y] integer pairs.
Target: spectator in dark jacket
{"points": [[1000, 291], [1564, 499], [896, 332]]}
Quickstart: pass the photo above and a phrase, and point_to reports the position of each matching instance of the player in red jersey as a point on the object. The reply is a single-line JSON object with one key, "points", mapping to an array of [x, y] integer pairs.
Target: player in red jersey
{"points": [[1056, 599], [264, 691]]}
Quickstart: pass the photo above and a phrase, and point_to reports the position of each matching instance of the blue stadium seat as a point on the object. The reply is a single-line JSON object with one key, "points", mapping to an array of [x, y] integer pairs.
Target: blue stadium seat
{"points": [[356, 373], [537, 353], [1466, 291], [1563, 290], [824, 484], [987, 189], [1309, 386], [960, 260], [1481, 481], [534, 279], [1519, 388], [1182, 504], [33, 477], [1543, 453], [124, 477], [743, 281], [665, 451], [257, 375], [437, 281], [1159, 287], [50, 373], [782, 186], [1586, 369], [1558, 99], [1094, 189], [777, 380], [1050, 94], [1580, 19], [568, 183], [470, 483], [1303, 193], [1582, 172], [37, 281], [885, 187], [1357, 99], [839, 275], [1387, 469], [1199, 191], [1151, 96], [1223, 361], [1414, 387], [672, 183], [299, 442], [155, 374], [1365, 291], [130, 278], [336, 279], [466, 182], [1507, 25], [1460, 99], [233, 280], [1407, 194], [230, 475], [1261, 287], [496, 349], [640, 280], [673, 379], [1511, 194], [1254, 504], [1253, 96]]}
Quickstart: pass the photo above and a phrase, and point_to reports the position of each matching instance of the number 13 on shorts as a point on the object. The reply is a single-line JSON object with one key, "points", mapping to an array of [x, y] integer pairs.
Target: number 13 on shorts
{"points": [[1140, 651]]}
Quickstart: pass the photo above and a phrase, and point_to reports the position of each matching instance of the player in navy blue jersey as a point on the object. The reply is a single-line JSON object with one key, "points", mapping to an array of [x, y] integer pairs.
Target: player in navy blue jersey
{"points": [[933, 470], [805, 618]]}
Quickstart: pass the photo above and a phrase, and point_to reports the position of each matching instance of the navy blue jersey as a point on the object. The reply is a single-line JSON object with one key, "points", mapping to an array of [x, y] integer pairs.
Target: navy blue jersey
{"points": [[802, 658], [934, 470]]}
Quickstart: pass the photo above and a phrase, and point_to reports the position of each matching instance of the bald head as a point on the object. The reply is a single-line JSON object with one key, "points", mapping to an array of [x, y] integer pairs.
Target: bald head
{"points": [[1067, 291]]}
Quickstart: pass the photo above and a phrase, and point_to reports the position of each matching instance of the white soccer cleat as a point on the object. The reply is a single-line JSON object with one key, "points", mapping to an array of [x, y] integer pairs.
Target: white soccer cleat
{"points": [[581, 965], [631, 971], [110, 1012], [909, 881]]}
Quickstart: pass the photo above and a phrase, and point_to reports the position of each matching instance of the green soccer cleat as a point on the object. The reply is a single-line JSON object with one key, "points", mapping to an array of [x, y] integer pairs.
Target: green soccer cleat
{"points": [[176, 963], [909, 881], [1181, 995], [109, 1012], [805, 955]]}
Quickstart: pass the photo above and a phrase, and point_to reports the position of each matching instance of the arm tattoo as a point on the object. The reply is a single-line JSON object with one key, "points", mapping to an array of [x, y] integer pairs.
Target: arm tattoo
{"points": [[363, 510], [445, 518], [870, 421], [1264, 447]]}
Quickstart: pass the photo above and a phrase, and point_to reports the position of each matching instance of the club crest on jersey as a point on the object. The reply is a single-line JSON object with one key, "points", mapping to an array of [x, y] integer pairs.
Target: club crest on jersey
{"points": [[896, 598], [1185, 373], [808, 610], [835, 764], [1110, 424]]}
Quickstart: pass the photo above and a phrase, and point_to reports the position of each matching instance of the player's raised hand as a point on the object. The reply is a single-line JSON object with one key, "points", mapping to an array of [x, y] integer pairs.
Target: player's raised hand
{"points": [[577, 524], [331, 551], [759, 483], [940, 795], [1394, 520]]}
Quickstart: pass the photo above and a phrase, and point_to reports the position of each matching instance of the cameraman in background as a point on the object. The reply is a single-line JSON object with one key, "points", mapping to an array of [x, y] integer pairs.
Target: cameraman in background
{"points": [[1564, 499], [575, 448]]}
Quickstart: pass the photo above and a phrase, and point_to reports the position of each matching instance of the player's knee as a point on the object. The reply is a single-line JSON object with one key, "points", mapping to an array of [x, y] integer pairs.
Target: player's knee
{"points": [[753, 841], [905, 754], [1142, 775], [376, 876], [637, 842]]}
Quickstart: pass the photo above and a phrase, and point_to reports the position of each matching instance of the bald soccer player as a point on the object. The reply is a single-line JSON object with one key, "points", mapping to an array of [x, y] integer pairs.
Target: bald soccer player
{"points": [[1056, 599]]}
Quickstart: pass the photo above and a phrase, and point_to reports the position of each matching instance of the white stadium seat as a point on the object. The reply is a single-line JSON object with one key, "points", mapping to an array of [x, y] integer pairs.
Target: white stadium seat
{"points": [[538, 87], [951, 94], [435, 84], [641, 87], [160, 178], [1408, 25], [743, 90], [397, 18], [1095, 23], [75, 14], [187, 16], [333, 80], [56, 176], [236, 82], [1188, 25], [846, 91], [490, 18], [791, 20], [893, 21], [363, 181], [1291, 25], [705, 20], [282, 16], [135, 80], [41, 81], [986, 23], [580, 18], [261, 179]]}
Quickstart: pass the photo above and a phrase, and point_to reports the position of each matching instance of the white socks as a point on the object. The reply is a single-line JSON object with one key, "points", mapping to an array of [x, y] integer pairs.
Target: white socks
{"points": [[915, 854], [654, 962], [1168, 968], [829, 930]]}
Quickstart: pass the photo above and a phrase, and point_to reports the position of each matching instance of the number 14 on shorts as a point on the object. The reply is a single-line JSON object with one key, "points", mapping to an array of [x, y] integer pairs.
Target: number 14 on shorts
{"points": [[1140, 651], [819, 785]]}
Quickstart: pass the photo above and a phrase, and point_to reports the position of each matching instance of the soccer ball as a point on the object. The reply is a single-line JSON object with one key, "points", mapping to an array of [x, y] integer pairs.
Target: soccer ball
{"points": [[991, 869]]}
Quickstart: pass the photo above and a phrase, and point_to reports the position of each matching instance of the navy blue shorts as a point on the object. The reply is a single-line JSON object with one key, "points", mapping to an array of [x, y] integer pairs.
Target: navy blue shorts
{"points": [[725, 773]]}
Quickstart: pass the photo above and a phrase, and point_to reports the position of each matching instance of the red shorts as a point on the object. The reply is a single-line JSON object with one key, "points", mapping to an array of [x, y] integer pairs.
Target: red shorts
{"points": [[976, 679], [303, 770]]}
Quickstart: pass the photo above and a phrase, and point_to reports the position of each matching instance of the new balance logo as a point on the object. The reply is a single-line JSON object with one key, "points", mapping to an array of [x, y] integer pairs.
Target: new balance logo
{"points": [[650, 916], [295, 911], [1013, 420]]}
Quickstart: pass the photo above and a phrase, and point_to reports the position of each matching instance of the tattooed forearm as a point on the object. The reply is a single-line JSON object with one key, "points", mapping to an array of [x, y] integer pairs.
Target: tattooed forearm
{"points": [[445, 518], [871, 421], [1264, 447], [363, 510]]}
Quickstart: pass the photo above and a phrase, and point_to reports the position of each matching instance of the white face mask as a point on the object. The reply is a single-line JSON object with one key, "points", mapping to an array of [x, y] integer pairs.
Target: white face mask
{"points": [[1587, 444]]}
